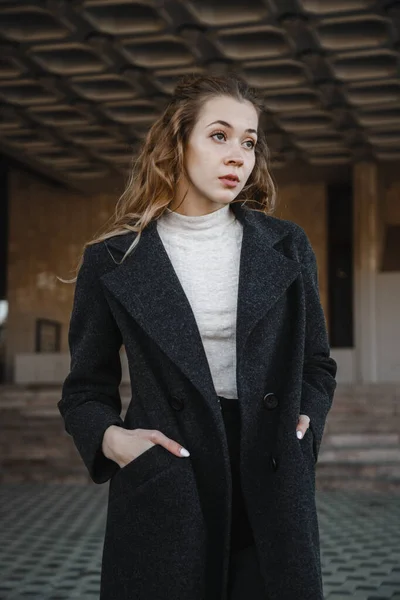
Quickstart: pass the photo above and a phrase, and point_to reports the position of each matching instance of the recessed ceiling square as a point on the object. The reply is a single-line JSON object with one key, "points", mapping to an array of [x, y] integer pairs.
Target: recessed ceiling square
{"points": [[29, 24], [166, 79], [316, 141], [68, 59], [278, 162], [307, 122], [137, 112], [252, 43], [91, 136], [387, 154], [87, 172], [121, 154], [122, 18], [274, 74], [353, 33], [26, 93], [158, 52], [59, 116], [101, 88], [9, 119], [141, 128], [366, 65], [9, 68], [380, 117], [325, 152], [385, 138], [26, 138], [326, 7], [332, 157], [294, 100], [362, 94], [235, 12], [58, 156]]}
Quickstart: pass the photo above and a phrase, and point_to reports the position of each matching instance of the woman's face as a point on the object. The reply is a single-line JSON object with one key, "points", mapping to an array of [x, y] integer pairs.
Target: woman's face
{"points": [[219, 156]]}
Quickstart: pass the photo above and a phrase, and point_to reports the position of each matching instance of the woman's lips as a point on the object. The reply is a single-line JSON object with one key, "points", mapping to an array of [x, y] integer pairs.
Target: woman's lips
{"points": [[229, 182]]}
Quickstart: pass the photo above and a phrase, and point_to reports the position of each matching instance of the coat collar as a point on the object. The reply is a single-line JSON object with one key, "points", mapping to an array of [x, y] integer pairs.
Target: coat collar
{"points": [[147, 285]]}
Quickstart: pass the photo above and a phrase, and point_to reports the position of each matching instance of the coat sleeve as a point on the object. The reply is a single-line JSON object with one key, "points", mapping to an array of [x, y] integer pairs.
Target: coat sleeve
{"points": [[319, 368], [90, 400]]}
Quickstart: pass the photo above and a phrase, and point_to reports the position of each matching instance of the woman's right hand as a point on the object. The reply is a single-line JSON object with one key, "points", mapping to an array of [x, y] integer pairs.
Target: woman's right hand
{"points": [[124, 445]]}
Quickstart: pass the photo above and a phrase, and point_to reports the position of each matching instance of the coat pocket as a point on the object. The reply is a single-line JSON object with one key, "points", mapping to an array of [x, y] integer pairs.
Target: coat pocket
{"points": [[307, 450], [307, 445], [155, 532], [145, 466]]}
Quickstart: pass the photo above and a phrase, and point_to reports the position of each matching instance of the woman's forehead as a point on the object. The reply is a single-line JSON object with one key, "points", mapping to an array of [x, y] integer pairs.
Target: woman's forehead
{"points": [[223, 108]]}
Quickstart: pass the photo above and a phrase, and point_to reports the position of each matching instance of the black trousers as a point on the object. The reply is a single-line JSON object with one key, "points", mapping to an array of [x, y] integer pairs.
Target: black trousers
{"points": [[245, 580]]}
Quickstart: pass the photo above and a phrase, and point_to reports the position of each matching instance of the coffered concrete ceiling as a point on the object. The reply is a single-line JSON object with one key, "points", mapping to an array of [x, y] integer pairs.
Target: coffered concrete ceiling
{"points": [[81, 81]]}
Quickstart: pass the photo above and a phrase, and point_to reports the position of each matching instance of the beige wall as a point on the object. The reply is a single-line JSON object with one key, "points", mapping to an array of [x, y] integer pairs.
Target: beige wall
{"points": [[306, 205], [48, 226], [47, 229]]}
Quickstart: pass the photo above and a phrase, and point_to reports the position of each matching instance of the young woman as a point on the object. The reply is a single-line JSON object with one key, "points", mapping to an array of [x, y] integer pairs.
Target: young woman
{"points": [[212, 471]]}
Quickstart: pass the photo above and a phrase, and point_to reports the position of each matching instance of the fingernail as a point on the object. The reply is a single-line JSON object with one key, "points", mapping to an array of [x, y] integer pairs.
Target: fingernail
{"points": [[184, 452], [299, 434]]}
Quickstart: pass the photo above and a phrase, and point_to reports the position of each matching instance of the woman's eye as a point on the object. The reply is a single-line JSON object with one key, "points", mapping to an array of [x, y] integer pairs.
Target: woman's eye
{"points": [[219, 133], [220, 136]]}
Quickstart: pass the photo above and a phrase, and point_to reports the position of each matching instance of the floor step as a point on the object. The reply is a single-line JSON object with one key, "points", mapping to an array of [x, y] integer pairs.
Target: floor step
{"points": [[361, 440], [360, 448], [352, 455], [351, 484]]}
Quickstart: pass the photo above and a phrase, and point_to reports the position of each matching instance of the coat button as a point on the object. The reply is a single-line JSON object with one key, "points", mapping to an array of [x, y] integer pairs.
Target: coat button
{"points": [[270, 401], [176, 402], [274, 463]]}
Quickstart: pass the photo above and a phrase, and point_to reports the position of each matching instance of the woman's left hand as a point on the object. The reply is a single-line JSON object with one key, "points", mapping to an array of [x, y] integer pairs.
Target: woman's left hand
{"points": [[302, 426]]}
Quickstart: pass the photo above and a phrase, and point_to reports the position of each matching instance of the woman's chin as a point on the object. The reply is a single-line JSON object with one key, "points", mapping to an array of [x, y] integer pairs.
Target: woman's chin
{"points": [[225, 197]]}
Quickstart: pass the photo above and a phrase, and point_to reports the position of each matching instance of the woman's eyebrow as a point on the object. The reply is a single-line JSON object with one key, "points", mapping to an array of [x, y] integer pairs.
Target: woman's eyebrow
{"points": [[230, 126]]}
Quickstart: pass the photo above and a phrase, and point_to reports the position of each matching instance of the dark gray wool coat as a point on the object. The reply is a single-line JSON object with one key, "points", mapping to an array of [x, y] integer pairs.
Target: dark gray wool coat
{"points": [[167, 534]]}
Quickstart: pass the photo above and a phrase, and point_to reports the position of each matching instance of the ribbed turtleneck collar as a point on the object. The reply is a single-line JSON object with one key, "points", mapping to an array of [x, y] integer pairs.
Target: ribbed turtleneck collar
{"points": [[176, 222]]}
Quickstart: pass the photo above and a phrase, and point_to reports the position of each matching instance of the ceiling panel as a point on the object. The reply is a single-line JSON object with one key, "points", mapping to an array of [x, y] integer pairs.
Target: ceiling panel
{"points": [[81, 81]]}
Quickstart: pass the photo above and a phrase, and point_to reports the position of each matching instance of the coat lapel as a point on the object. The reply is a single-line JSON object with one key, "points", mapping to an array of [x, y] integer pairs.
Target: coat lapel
{"points": [[265, 274], [147, 285]]}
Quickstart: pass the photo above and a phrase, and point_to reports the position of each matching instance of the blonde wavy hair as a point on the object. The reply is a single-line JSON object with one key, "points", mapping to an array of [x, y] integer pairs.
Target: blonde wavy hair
{"points": [[160, 164]]}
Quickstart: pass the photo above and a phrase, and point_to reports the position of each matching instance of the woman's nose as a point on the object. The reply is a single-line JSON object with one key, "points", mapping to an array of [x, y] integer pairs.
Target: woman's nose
{"points": [[234, 159]]}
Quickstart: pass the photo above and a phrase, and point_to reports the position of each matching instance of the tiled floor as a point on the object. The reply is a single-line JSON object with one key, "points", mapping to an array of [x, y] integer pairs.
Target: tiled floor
{"points": [[51, 541]]}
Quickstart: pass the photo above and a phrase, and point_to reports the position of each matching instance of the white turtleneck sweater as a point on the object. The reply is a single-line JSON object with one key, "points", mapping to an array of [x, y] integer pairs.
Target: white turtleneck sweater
{"points": [[205, 253]]}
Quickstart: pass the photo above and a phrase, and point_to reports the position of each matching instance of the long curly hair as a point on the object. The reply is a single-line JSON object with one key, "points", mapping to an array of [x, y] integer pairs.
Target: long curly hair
{"points": [[160, 163]]}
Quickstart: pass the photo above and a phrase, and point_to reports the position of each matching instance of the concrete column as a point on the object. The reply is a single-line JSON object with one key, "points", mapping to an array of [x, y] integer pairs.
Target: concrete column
{"points": [[367, 244]]}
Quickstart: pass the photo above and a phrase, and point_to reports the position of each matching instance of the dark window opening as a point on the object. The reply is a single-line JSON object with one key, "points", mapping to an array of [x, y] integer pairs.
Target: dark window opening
{"points": [[340, 265], [391, 249]]}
